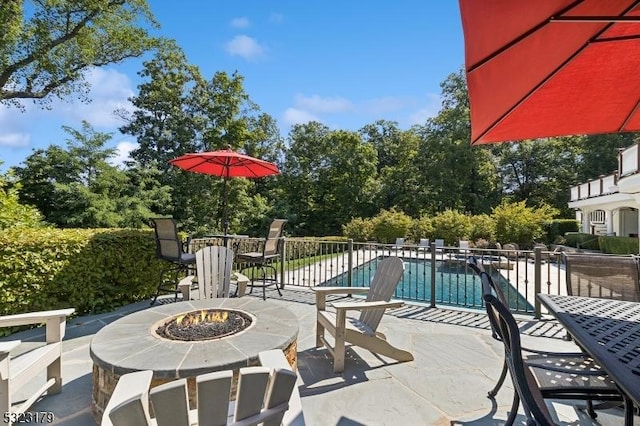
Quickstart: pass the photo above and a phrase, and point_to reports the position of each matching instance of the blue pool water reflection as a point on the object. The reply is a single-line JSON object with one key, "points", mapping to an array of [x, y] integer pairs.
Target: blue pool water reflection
{"points": [[455, 284]]}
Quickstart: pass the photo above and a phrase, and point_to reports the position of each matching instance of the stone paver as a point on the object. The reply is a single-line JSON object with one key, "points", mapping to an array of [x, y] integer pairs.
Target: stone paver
{"points": [[456, 363]]}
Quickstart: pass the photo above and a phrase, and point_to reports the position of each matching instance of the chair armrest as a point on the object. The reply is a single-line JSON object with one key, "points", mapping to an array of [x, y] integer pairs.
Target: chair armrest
{"points": [[33, 317], [6, 347], [322, 292], [363, 306]]}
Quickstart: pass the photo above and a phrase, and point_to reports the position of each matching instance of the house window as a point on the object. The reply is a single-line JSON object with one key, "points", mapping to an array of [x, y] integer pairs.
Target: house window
{"points": [[597, 217]]}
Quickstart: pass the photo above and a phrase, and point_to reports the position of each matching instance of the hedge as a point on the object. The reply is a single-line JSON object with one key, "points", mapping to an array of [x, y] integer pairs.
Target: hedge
{"points": [[91, 270]]}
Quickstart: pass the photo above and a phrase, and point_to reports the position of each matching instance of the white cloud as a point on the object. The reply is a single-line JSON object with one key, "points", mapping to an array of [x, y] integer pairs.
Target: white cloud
{"points": [[297, 116], [246, 47], [241, 22], [15, 140], [110, 90], [431, 109], [385, 104], [124, 149], [322, 105]]}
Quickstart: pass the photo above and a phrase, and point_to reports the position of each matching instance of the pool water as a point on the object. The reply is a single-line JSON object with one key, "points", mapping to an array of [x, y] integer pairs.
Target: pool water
{"points": [[456, 284]]}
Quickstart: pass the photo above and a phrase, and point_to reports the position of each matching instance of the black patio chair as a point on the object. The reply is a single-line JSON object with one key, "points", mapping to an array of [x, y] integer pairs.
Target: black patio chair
{"points": [[171, 248], [263, 260], [552, 375]]}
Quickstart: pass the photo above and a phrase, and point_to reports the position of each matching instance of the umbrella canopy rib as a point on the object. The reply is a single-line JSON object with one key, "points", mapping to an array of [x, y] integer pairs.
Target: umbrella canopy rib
{"points": [[554, 68]]}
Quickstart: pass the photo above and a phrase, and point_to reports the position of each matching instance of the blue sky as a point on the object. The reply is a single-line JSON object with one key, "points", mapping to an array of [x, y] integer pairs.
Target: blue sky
{"points": [[345, 64]]}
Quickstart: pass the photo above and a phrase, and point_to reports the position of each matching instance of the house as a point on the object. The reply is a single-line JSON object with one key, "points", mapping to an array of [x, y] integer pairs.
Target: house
{"points": [[609, 204]]}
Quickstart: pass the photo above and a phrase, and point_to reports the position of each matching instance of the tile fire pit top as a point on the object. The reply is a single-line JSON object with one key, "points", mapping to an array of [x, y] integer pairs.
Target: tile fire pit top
{"points": [[129, 344]]}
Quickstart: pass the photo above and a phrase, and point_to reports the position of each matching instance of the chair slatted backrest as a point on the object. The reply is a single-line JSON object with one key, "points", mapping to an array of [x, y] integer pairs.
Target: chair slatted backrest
{"points": [[602, 276], [213, 268], [168, 243], [388, 274], [272, 241], [261, 397], [524, 382]]}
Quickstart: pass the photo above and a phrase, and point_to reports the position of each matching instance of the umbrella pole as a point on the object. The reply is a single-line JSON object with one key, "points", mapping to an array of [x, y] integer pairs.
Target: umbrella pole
{"points": [[225, 221]]}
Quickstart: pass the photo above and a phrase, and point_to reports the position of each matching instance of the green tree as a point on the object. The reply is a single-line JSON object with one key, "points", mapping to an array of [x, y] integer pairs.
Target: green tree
{"points": [[14, 214], [46, 47], [177, 112], [540, 171], [328, 179], [453, 174], [77, 187], [398, 173]]}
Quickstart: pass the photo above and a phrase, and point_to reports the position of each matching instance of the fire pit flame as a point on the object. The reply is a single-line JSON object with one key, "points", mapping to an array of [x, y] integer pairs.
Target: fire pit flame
{"points": [[204, 325], [194, 318]]}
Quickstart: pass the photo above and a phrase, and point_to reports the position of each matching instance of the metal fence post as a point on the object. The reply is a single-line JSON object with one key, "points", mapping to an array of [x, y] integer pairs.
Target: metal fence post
{"points": [[283, 258], [537, 281], [350, 262], [432, 302]]}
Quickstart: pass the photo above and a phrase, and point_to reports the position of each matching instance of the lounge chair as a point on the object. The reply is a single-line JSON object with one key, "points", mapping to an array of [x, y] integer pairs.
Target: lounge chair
{"points": [[424, 244], [398, 245], [553, 375], [360, 331], [439, 245]]}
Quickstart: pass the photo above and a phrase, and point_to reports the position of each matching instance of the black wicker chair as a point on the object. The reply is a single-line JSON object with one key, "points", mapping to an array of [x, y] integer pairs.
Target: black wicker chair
{"points": [[171, 248]]}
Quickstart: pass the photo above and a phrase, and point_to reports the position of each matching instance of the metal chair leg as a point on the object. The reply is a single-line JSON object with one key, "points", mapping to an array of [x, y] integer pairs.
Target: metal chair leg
{"points": [[514, 409], [493, 392]]}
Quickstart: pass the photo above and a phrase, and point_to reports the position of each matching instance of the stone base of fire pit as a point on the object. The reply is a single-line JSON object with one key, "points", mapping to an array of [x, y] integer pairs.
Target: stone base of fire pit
{"points": [[129, 345]]}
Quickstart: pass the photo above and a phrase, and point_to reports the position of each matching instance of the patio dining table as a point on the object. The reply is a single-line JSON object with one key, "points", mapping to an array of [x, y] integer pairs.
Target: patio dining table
{"points": [[609, 331]]}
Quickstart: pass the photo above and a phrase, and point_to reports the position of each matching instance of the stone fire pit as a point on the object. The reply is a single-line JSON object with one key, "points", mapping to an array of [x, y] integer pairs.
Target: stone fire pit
{"points": [[131, 344]]}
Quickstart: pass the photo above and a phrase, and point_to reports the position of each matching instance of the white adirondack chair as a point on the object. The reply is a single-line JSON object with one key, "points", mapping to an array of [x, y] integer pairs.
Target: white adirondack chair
{"points": [[213, 269], [15, 372], [361, 331], [264, 395]]}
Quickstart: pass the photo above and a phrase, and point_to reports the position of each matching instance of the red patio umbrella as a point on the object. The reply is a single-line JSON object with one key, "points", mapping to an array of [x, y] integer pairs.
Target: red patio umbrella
{"points": [[550, 68], [225, 163]]}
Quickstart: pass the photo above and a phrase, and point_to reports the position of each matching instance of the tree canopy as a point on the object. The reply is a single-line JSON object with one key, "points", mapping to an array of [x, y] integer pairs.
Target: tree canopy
{"points": [[46, 47]]}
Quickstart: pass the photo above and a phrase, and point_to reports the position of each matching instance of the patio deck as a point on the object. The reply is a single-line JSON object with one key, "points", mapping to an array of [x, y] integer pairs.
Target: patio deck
{"points": [[456, 363]]}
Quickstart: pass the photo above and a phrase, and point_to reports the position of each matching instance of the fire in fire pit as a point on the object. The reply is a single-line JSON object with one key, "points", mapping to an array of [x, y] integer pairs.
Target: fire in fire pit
{"points": [[204, 325]]}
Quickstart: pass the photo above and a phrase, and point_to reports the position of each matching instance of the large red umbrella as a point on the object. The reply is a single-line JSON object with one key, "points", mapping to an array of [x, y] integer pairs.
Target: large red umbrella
{"points": [[539, 68], [225, 163]]}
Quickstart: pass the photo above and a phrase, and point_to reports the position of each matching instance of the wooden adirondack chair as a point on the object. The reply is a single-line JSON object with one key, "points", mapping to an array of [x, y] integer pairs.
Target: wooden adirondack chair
{"points": [[264, 395], [213, 269], [15, 372], [361, 331]]}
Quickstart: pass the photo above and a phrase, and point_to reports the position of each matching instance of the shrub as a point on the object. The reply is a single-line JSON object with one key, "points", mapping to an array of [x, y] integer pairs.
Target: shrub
{"points": [[583, 241], [482, 227], [618, 245], [517, 223], [16, 215], [358, 229], [91, 270], [559, 227], [452, 226], [389, 225], [421, 228]]}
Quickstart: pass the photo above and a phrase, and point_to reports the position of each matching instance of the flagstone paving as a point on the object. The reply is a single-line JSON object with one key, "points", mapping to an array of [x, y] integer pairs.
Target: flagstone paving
{"points": [[456, 363]]}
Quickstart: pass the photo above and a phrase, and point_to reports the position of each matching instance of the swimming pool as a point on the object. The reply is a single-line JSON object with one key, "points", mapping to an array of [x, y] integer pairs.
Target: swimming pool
{"points": [[456, 284]]}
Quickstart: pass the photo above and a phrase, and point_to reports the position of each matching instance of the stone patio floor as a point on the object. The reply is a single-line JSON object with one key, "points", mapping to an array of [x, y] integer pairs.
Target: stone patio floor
{"points": [[456, 363]]}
